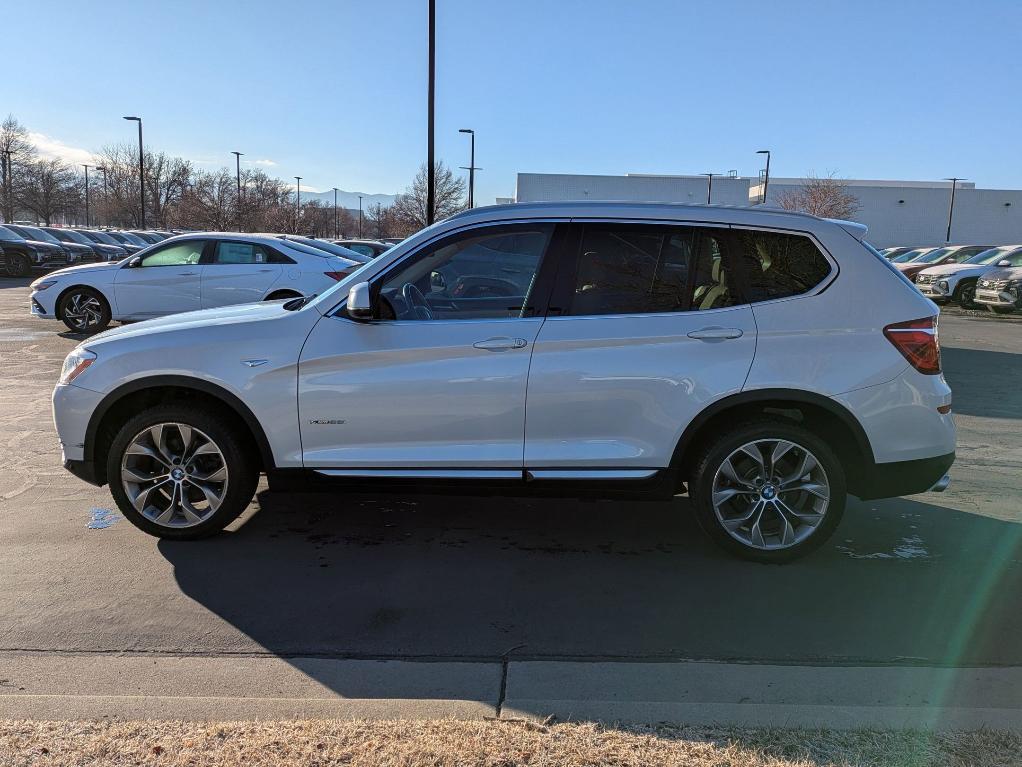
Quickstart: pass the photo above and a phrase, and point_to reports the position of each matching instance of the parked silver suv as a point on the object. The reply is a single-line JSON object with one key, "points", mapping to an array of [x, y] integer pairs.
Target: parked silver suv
{"points": [[633, 350]]}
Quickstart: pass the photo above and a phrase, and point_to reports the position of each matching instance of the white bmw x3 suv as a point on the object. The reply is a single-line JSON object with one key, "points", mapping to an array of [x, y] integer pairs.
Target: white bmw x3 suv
{"points": [[184, 273], [616, 349]]}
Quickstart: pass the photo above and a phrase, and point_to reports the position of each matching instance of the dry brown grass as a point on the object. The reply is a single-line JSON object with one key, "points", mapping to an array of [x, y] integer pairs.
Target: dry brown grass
{"points": [[489, 744]]}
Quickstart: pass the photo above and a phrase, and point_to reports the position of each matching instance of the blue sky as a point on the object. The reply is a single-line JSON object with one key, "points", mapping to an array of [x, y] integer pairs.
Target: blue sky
{"points": [[334, 91]]}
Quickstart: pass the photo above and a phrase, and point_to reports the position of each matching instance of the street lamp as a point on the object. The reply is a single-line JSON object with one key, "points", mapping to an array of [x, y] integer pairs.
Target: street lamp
{"points": [[430, 170], [86, 194], [141, 171], [237, 164], [766, 177], [298, 201], [105, 191], [8, 186], [335, 214], [951, 210], [709, 185], [360, 216], [471, 167]]}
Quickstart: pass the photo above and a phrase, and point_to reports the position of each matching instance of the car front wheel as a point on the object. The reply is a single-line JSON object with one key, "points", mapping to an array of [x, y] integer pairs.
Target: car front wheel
{"points": [[181, 472], [966, 295], [769, 491], [84, 310], [18, 265]]}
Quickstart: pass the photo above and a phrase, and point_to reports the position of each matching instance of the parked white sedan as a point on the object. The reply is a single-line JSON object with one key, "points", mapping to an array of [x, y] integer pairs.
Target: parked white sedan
{"points": [[185, 273]]}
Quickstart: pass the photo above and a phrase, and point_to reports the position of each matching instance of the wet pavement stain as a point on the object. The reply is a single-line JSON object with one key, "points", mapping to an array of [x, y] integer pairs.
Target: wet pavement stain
{"points": [[103, 518]]}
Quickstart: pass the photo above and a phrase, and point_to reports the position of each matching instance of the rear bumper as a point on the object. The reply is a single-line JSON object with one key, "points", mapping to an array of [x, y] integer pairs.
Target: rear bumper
{"points": [[888, 480]]}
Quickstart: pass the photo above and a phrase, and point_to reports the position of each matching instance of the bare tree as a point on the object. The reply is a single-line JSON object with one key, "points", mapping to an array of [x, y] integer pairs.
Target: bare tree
{"points": [[826, 197], [209, 202], [378, 221], [50, 188], [166, 178], [409, 209], [18, 150]]}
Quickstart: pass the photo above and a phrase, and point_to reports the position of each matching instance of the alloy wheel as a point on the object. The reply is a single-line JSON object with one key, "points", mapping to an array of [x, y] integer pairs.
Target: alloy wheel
{"points": [[770, 494], [174, 475], [83, 311]]}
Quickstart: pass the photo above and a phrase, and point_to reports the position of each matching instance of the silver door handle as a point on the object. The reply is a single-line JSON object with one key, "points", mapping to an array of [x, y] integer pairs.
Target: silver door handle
{"points": [[501, 344], [715, 334]]}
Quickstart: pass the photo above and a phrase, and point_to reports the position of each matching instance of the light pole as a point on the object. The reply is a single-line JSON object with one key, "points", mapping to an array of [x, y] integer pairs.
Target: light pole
{"points": [[237, 165], [86, 194], [105, 191], [335, 214], [766, 177], [430, 170], [298, 201], [360, 216], [951, 210], [8, 186], [141, 171], [471, 167], [709, 185]]}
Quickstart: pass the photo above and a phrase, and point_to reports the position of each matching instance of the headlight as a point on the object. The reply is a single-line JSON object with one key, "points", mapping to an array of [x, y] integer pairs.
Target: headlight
{"points": [[43, 284], [75, 364]]}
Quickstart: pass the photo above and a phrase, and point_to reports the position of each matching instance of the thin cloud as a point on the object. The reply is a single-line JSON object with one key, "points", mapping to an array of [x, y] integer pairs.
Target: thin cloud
{"points": [[266, 163], [50, 148]]}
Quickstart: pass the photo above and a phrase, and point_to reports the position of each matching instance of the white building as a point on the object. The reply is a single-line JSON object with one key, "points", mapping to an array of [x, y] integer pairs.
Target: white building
{"points": [[896, 212]]}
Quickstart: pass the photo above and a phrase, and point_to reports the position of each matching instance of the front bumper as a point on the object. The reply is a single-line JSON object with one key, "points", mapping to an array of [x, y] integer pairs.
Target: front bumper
{"points": [[85, 470], [888, 480], [73, 407], [42, 303], [932, 292], [1005, 298]]}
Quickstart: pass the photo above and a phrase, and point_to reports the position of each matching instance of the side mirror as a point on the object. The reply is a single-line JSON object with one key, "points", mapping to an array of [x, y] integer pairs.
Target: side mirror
{"points": [[135, 262], [360, 305], [436, 280], [1004, 262]]}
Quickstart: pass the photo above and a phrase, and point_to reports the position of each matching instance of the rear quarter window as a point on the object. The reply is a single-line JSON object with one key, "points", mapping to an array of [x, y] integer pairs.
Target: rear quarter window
{"points": [[779, 265]]}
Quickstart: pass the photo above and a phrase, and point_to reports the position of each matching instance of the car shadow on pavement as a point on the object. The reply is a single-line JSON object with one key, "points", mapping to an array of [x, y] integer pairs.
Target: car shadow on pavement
{"points": [[985, 383], [432, 578]]}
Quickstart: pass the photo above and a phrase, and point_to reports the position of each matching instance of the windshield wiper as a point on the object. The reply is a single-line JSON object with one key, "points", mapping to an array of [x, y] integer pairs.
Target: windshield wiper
{"points": [[297, 303]]}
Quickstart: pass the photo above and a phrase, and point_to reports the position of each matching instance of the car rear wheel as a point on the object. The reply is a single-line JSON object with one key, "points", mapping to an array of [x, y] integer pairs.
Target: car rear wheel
{"points": [[18, 265], [965, 295], [84, 310], [769, 491], [179, 472], [1003, 309]]}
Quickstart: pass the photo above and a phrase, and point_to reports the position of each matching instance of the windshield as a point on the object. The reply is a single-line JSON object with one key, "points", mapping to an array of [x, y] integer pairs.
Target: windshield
{"points": [[330, 247], [101, 237], [69, 235], [933, 255], [991, 256], [908, 255], [7, 234], [40, 234]]}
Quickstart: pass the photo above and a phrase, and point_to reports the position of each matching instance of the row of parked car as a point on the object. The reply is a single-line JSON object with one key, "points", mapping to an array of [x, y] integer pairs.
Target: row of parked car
{"points": [[968, 275]]}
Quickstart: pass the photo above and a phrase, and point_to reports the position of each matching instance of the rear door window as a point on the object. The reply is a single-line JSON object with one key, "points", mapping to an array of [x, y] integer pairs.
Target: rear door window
{"points": [[777, 264]]}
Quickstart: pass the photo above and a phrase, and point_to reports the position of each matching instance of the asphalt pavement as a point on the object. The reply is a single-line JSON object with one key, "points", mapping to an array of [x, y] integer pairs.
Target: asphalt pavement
{"points": [[932, 580]]}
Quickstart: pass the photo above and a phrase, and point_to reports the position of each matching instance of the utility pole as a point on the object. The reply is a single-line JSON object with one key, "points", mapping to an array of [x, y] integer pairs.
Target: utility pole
{"points": [[86, 194], [237, 165], [360, 216], [471, 168], [8, 186], [709, 185], [335, 214], [141, 172], [430, 169], [951, 210], [298, 201]]}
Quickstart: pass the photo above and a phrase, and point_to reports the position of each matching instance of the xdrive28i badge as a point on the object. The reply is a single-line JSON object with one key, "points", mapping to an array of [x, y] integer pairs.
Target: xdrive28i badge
{"points": [[326, 421]]}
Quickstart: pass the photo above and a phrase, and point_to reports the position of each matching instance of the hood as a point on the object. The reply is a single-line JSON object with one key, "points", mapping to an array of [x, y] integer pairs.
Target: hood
{"points": [[1004, 273], [963, 269], [40, 245], [263, 310], [89, 268]]}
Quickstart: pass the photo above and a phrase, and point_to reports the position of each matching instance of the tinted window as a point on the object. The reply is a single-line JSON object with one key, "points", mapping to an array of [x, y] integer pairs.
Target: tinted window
{"points": [[241, 253], [478, 275], [629, 269], [779, 265], [7, 234], [178, 254], [365, 250]]}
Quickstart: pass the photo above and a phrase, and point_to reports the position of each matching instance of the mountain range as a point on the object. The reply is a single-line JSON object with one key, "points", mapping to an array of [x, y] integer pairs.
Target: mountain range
{"points": [[350, 199]]}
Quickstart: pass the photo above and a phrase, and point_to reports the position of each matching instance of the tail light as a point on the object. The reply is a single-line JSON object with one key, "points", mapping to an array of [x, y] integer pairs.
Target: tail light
{"points": [[917, 342], [337, 275]]}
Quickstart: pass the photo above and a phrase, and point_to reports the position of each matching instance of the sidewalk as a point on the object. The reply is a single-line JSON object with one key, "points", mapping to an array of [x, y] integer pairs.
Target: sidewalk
{"points": [[144, 686]]}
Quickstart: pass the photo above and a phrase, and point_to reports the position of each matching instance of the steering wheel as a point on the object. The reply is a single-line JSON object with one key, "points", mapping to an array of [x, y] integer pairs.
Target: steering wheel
{"points": [[416, 301]]}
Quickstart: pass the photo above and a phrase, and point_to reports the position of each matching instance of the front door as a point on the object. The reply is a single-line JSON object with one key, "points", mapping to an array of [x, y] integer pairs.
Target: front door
{"points": [[436, 383], [166, 281], [645, 329], [238, 273]]}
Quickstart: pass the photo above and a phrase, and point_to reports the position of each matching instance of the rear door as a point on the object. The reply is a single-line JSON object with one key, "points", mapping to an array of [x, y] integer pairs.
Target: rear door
{"points": [[166, 281], [644, 329], [238, 272]]}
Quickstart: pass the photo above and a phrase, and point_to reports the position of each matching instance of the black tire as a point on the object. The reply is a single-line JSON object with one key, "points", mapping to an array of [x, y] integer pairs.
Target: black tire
{"points": [[713, 457], [18, 265], [965, 294], [239, 458], [96, 319]]}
